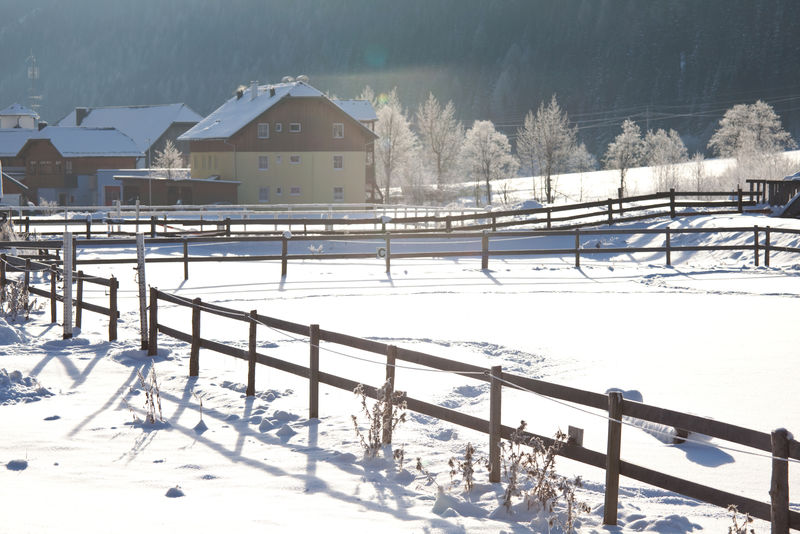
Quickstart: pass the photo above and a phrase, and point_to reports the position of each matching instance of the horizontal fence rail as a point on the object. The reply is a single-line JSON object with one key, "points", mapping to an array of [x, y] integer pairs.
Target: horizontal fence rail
{"points": [[779, 444]]}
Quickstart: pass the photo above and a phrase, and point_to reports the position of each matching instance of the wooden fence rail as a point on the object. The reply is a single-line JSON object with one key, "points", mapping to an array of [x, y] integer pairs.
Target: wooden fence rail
{"points": [[778, 444], [26, 265]]}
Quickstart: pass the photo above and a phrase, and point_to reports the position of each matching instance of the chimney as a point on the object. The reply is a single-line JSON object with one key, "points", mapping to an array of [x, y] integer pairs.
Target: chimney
{"points": [[42, 125], [271, 91], [253, 90], [80, 114]]}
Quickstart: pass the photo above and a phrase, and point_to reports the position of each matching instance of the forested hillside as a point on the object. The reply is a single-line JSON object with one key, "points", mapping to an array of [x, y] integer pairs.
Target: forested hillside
{"points": [[677, 64]]}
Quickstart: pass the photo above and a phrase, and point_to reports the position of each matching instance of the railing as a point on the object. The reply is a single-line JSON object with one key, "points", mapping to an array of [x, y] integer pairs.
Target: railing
{"points": [[27, 266], [781, 448]]}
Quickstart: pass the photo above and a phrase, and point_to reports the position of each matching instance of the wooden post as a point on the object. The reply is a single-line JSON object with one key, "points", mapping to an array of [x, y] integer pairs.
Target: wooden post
{"points": [[69, 260], [75, 252], [672, 202], [313, 372], [53, 301], [185, 259], [391, 359], [141, 278], [739, 204], [79, 301], [668, 247], [448, 224], [194, 357], [153, 226], [27, 276], [495, 397], [284, 252], [779, 487], [251, 355], [549, 219], [485, 250], [3, 270], [577, 248], [112, 304], [88, 227], [612, 457], [28, 224], [766, 246], [494, 224], [152, 342], [388, 258], [620, 196], [227, 226], [610, 211], [755, 245]]}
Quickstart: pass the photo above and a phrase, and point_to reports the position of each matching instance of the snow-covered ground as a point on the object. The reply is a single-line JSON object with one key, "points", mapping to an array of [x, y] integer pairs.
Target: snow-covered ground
{"points": [[711, 335]]}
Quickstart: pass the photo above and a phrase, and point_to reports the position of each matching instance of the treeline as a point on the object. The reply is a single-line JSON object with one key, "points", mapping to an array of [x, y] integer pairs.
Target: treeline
{"points": [[672, 65]]}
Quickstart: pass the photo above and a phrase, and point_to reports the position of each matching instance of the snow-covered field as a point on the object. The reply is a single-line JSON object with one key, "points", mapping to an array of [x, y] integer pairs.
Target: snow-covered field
{"points": [[711, 335]]}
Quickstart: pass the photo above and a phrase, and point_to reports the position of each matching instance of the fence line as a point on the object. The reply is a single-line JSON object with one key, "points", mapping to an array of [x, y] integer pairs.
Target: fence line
{"points": [[779, 444]]}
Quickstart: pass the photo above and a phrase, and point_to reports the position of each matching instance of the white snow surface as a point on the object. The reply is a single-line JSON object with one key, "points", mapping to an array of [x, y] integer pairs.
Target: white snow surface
{"points": [[712, 335]]}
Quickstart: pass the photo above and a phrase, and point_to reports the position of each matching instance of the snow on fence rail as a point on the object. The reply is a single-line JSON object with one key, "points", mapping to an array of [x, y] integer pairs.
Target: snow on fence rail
{"points": [[781, 447], [330, 222], [27, 266]]}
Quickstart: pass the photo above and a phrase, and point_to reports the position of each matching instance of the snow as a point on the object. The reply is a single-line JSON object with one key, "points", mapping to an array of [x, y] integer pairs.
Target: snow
{"points": [[73, 142], [711, 335]]}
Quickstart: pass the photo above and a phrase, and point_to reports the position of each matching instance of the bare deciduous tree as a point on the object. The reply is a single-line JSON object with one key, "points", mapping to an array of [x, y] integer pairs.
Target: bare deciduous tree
{"points": [[396, 143], [486, 155], [664, 151], [441, 136], [625, 151], [169, 158]]}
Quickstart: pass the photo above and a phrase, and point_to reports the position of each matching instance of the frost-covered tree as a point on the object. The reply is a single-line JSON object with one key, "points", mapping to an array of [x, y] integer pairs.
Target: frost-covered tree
{"points": [[441, 135], [169, 158], [664, 151], [625, 151], [547, 140], [750, 128], [486, 155], [396, 143]]}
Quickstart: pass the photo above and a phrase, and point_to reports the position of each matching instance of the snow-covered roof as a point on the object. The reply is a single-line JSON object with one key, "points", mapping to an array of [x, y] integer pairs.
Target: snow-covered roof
{"points": [[76, 142], [361, 110], [144, 124], [18, 110], [13, 139], [238, 112]]}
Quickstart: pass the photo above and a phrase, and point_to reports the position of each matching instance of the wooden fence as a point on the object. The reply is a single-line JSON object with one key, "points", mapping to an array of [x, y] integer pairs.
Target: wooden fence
{"points": [[27, 266], [636, 208], [779, 444]]}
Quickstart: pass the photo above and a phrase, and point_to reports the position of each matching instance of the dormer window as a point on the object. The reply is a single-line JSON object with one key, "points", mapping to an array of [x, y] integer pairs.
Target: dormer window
{"points": [[263, 130]]}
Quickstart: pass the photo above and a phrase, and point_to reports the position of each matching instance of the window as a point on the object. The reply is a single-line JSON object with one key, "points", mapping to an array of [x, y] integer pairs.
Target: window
{"points": [[338, 194], [263, 194], [68, 165], [32, 166], [278, 127], [294, 191], [338, 162], [278, 191], [338, 130], [263, 163], [294, 127], [263, 130], [294, 159], [278, 159]]}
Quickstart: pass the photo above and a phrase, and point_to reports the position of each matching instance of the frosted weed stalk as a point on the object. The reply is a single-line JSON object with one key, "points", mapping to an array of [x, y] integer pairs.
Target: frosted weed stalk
{"points": [[737, 527], [388, 411], [152, 397], [15, 300]]}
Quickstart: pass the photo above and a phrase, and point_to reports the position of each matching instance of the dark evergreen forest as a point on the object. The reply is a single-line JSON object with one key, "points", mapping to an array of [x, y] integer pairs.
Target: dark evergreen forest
{"points": [[667, 64]]}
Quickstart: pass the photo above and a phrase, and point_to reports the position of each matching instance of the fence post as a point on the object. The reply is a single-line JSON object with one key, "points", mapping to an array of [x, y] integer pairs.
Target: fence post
{"points": [[2, 270], [284, 252], [766, 246], [388, 253], [612, 457], [28, 225], [620, 196], [668, 247], [251, 356], [391, 359], [227, 226], [27, 276], [610, 211], [494, 224], [755, 245], [79, 301], [485, 250], [68, 267], [194, 357], [779, 486], [739, 204], [495, 397], [88, 227], [112, 304], [313, 372], [152, 343], [152, 226], [577, 248], [142, 282], [53, 301], [448, 224], [185, 259], [672, 202], [549, 219]]}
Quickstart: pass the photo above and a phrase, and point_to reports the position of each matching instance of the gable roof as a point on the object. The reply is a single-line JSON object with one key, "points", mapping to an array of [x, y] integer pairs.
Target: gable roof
{"points": [[238, 112], [79, 142], [17, 109], [13, 139], [361, 110], [144, 124]]}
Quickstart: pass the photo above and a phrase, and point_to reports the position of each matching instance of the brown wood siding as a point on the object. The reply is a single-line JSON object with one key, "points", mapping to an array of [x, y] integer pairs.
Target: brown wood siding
{"points": [[39, 150], [316, 117]]}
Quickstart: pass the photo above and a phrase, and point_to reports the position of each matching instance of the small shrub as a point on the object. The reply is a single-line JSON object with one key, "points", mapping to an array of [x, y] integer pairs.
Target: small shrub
{"points": [[737, 527], [465, 468], [15, 300], [427, 474], [380, 417]]}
